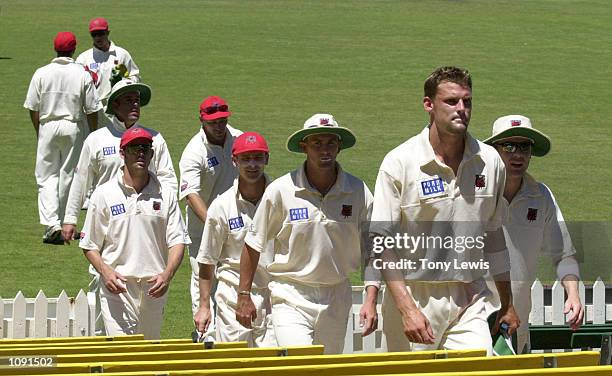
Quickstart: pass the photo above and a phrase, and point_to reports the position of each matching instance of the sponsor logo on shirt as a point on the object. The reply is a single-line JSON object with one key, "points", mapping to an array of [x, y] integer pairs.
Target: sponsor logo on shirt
{"points": [[235, 223], [156, 205], [347, 210], [479, 182], [532, 214], [212, 162], [117, 209], [94, 65], [298, 214], [109, 150], [432, 186]]}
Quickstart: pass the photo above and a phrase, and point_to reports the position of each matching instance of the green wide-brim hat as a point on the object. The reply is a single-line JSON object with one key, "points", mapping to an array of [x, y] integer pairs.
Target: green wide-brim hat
{"points": [[519, 126], [126, 86], [320, 124]]}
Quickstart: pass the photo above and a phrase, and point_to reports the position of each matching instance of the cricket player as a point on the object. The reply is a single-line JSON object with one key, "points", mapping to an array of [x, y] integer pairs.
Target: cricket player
{"points": [[135, 238], [107, 63], [227, 222], [59, 94], [100, 160], [206, 170], [535, 224], [316, 217], [442, 185]]}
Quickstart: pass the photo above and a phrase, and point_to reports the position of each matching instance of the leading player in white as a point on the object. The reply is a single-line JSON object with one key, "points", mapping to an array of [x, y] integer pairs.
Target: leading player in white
{"points": [[59, 94], [534, 225]]}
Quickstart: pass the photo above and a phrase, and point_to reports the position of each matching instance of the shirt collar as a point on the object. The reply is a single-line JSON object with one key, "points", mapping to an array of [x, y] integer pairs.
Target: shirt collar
{"points": [[529, 187], [119, 126], [111, 49], [427, 155], [237, 193], [152, 188], [62, 60], [340, 186]]}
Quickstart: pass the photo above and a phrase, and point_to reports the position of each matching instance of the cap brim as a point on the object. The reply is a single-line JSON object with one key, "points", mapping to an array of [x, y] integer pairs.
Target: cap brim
{"points": [[138, 141], [346, 136], [216, 115], [144, 90], [541, 142]]}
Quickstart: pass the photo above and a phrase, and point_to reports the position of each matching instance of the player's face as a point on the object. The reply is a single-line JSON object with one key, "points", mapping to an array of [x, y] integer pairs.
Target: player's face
{"points": [[251, 165], [451, 109], [100, 39], [127, 107], [215, 130], [137, 157], [517, 161], [321, 149]]}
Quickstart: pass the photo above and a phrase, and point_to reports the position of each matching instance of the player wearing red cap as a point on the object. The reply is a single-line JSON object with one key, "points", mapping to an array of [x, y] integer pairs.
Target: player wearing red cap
{"points": [[103, 59], [58, 95], [206, 171], [134, 237], [229, 217]]}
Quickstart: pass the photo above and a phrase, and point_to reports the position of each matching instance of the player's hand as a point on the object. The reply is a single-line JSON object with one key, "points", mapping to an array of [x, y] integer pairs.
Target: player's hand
{"points": [[68, 232], [573, 304], [245, 311], [160, 282], [417, 327], [368, 318], [113, 281], [202, 319], [508, 315]]}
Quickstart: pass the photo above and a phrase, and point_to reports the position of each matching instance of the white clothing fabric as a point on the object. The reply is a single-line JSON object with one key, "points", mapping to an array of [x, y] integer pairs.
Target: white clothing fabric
{"points": [[206, 169], [100, 161]]}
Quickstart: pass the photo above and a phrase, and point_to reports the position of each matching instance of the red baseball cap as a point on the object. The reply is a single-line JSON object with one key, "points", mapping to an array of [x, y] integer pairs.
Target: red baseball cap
{"points": [[213, 108], [98, 24], [134, 134], [64, 41], [249, 141]]}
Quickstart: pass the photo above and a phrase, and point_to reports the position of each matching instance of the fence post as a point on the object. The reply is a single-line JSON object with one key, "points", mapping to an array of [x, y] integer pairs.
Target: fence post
{"points": [[582, 295], [62, 315], [40, 316], [80, 323], [599, 302], [558, 304], [537, 303], [18, 329]]}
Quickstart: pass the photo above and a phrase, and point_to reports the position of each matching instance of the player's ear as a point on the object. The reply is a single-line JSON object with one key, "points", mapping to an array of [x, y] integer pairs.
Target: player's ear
{"points": [[303, 146], [122, 153], [267, 158], [234, 161], [428, 104]]}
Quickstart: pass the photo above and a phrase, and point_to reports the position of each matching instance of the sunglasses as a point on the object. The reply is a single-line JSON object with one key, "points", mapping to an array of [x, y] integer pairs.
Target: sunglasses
{"points": [[139, 148], [98, 33], [512, 147], [215, 108]]}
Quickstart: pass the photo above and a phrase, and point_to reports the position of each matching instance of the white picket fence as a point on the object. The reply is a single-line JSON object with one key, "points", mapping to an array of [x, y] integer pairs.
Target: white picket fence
{"points": [[39, 317], [596, 312]]}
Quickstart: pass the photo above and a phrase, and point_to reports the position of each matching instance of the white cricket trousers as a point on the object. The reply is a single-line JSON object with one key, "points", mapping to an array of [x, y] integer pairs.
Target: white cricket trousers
{"points": [[456, 312], [306, 315], [133, 312], [57, 155], [194, 289], [228, 329]]}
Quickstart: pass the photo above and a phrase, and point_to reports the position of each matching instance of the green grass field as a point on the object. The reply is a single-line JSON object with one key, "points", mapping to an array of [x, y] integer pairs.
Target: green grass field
{"points": [[278, 62]]}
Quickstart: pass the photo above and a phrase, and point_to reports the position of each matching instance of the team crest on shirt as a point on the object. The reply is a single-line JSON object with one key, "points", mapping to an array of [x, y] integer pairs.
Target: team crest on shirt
{"points": [[157, 205], [479, 181], [183, 186], [235, 223], [109, 150], [212, 162], [81, 235], [117, 209], [347, 211], [298, 214], [532, 214]]}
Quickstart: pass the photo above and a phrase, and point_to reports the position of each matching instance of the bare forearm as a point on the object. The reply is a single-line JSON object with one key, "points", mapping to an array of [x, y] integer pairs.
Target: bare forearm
{"points": [[197, 205], [95, 259], [175, 257], [570, 283], [206, 279], [35, 118], [248, 265], [504, 288], [92, 121]]}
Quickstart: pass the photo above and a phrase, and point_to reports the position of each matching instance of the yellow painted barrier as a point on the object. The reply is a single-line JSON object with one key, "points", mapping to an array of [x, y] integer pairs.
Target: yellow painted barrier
{"points": [[31, 341], [98, 343], [328, 365]]}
